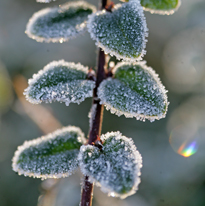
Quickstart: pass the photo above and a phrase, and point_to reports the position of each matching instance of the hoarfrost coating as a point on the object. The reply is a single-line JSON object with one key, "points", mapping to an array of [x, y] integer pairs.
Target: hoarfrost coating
{"points": [[122, 32], [50, 156], [135, 91], [91, 115], [60, 81], [115, 168], [59, 24]]}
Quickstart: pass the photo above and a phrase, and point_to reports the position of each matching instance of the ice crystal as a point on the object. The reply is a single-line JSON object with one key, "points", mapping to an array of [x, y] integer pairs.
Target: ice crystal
{"points": [[161, 6], [116, 167], [59, 24], [92, 114], [121, 32], [51, 156], [60, 81], [135, 91]]}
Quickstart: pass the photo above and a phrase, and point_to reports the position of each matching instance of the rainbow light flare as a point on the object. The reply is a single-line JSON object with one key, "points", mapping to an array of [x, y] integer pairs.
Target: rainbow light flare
{"points": [[187, 150]]}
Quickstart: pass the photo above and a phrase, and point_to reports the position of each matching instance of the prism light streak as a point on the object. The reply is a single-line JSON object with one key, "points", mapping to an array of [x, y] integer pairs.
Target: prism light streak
{"points": [[187, 150]]}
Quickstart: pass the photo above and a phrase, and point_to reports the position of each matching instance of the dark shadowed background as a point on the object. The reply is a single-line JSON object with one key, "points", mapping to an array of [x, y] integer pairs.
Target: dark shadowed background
{"points": [[175, 49]]}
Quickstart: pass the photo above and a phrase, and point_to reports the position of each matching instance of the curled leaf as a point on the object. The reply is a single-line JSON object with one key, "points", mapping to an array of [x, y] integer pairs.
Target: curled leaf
{"points": [[60, 81], [121, 32], [115, 168], [59, 24], [51, 156], [135, 91]]}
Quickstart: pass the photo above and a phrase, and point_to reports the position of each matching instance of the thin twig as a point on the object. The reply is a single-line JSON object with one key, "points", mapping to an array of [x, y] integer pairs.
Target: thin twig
{"points": [[87, 187], [95, 130]]}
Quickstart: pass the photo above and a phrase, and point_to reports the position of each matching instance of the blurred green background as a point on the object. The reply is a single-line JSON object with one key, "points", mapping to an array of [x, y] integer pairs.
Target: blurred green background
{"points": [[175, 49]]}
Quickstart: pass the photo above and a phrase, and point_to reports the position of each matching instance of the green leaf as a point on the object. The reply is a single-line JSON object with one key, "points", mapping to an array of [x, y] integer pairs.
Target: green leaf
{"points": [[135, 91], [121, 32], [60, 81], [59, 24], [51, 156], [116, 167], [161, 6]]}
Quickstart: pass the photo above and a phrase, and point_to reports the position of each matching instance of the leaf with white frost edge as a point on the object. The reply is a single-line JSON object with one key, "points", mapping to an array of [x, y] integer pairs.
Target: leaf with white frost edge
{"points": [[135, 91], [163, 7], [60, 81], [51, 156], [59, 24], [121, 32], [115, 168]]}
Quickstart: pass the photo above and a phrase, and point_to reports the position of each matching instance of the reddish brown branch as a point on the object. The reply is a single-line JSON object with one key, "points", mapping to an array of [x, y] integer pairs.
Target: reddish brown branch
{"points": [[95, 130], [87, 193], [104, 3], [97, 120]]}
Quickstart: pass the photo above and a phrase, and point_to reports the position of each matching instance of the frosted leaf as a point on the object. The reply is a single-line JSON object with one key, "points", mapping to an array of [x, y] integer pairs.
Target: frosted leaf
{"points": [[59, 24], [135, 91], [160, 6], [116, 168], [51, 156], [60, 81], [121, 33]]}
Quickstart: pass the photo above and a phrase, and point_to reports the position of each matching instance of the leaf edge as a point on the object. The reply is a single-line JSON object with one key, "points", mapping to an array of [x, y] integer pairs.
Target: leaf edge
{"points": [[136, 115], [137, 169], [46, 68], [105, 48], [163, 12], [36, 141], [56, 39]]}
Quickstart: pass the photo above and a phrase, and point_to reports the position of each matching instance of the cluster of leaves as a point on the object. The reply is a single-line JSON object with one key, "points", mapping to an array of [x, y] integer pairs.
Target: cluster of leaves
{"points": [[60, 153], [134, 90]]}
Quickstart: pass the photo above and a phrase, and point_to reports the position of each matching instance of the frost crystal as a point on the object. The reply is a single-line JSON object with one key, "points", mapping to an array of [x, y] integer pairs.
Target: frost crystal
{"points": [[116, 168], [59, 24], [50, 156], [135, 91], [121, 33], [60, 81], [92, 114], [161, 6]]}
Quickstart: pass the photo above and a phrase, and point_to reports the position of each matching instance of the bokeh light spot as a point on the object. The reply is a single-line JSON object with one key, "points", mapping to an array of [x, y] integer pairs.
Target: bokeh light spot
{"points": [[183, 141], [188, 150]]}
